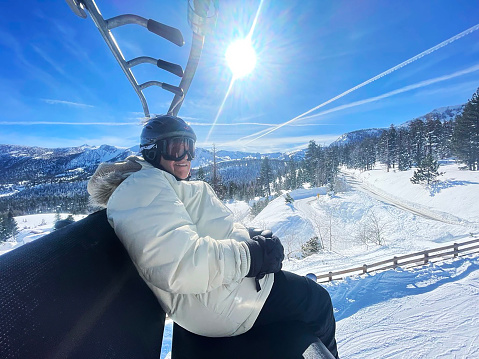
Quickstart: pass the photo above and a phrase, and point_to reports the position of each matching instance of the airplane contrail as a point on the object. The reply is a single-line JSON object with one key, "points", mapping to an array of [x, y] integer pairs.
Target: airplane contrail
{"points": [[393, 93], [382, 74]]}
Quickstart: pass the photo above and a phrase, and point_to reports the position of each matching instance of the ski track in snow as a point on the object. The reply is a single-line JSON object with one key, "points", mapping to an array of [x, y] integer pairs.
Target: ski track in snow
{"points": [[407, 206]]}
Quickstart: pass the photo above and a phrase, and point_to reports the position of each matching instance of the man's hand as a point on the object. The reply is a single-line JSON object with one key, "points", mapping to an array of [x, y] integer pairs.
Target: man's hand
{"points": [[267, 255]]}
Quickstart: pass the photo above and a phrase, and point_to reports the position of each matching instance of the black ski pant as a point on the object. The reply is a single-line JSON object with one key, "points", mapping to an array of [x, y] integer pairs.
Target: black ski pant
{"points": [[297, 298]]}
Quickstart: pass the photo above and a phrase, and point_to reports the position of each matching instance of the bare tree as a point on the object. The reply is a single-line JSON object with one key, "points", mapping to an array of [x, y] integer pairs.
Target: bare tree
{"points": [[317, 222], [289, 242], [372, 230]]}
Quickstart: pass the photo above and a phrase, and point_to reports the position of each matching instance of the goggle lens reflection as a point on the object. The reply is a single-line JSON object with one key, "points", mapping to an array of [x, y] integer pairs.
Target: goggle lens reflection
{"points": [[178, 147]]}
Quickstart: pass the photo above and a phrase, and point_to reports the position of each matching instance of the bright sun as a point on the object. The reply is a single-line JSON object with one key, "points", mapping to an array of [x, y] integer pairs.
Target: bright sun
{"points": [[241, 57]]}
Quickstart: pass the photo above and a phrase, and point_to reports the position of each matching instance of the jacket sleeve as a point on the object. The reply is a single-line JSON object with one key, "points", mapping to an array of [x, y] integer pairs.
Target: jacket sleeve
{"points": [[163, 240]]}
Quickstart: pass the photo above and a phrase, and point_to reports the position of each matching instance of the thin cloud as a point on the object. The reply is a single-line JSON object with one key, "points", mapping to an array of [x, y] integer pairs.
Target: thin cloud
{"points": [[48, 59], [17, 49], [33, 123], [254, 124], [68, 103], [277, 144]]}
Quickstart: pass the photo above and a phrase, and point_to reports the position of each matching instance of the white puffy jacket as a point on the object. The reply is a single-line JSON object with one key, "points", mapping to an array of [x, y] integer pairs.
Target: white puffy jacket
{"points": [[188, 250]]}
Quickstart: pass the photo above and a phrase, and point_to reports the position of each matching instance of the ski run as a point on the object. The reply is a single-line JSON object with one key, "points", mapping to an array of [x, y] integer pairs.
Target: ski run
{"points": [[423, 312]]}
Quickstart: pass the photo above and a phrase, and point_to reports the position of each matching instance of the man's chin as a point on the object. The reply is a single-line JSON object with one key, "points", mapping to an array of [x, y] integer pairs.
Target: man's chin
{"points": [[181, 174]]}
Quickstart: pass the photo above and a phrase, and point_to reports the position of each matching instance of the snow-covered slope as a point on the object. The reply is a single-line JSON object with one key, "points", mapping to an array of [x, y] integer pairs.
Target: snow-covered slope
{"points": [[408, 217], [430, 312], [425, 312], [357, 136]]}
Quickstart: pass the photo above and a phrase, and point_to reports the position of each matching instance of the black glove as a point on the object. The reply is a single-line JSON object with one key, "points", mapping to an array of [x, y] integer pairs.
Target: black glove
{"points": [[267, 255], [253, 232]]}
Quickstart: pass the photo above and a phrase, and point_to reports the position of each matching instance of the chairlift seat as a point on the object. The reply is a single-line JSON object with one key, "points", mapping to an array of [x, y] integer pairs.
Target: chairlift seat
{"points": [[75, 293]]}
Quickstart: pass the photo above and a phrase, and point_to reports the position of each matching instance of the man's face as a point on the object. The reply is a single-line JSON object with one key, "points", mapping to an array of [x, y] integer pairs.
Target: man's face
{"points": [[180, 169]]}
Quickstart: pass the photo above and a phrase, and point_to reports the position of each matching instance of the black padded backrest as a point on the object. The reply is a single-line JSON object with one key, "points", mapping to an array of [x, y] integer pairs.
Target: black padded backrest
{"points": [[76, 294]]}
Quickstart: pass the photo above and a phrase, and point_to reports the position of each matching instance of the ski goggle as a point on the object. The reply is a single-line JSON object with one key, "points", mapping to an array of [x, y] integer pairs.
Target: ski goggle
{"points": [[176, 148]]}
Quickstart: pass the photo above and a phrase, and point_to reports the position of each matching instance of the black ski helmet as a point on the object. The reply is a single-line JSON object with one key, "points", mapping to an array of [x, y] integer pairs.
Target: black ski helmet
{"points": [[164, 126], [159, 128]]}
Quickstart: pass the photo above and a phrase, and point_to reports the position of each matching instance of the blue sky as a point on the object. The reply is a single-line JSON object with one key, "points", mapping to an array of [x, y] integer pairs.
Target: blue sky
{"points": [[61, 86]]}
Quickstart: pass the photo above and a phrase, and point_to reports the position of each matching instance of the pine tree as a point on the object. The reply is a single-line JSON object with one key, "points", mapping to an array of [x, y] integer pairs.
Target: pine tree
{"points": [[391, 147], [302, 177], [404, 150], [266, 177], [258, 206], [417, 138], [291, 175], [288, 199], [200, 175], [433, 135], [310, 162], [427, 171], [312, 246], [330, 166], [446, 146], [11, 226], [216, 179], [466, 134], [3, 229]]}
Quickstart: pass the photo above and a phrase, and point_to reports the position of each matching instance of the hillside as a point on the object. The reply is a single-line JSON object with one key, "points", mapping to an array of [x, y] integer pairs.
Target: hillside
{"points": [[35, 180], [415, 313], [422, 312], [407, 217]]}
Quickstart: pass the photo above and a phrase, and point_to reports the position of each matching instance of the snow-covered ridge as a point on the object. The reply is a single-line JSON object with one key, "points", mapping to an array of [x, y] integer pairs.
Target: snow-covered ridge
{"points": [[446, 113], [359, 135], [443, 114]]}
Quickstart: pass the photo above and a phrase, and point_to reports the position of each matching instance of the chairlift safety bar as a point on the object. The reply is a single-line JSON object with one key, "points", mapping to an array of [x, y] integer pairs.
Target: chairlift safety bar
{"points": [[199, 21]]}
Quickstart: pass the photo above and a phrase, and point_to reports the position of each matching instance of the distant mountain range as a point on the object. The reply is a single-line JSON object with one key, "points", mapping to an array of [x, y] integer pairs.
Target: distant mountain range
{"points": [[27, 171], [25, 163]]}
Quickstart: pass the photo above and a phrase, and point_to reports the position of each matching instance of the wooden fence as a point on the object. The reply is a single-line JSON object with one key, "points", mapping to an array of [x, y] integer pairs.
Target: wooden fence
{"points": [[408, 260]]}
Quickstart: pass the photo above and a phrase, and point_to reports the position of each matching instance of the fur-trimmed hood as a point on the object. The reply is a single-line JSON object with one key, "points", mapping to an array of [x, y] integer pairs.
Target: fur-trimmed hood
{"points": [[108, 176]]}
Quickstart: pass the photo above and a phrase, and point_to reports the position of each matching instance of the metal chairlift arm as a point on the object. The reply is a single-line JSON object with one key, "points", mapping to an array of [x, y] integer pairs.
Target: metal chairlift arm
{"points": [[199, 21]]}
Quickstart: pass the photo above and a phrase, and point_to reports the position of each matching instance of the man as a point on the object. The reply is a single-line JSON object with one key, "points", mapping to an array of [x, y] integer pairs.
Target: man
{"points": [[207, 273]]}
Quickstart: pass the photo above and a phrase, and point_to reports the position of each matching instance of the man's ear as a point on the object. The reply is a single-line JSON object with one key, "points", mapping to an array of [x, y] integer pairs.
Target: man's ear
{"points": [[151, 155]]}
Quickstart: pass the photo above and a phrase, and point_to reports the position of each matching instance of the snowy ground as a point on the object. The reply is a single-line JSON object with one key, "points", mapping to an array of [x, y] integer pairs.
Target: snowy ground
{"points": [[426, 312], [408, 217], [430, 312], [31, 228]]}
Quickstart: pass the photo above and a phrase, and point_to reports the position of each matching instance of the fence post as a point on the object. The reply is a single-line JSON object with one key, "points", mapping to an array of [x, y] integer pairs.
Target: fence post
{"points": [[426, 258], [456, 248], [330, 276], [395, 262], [365, 268]]}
